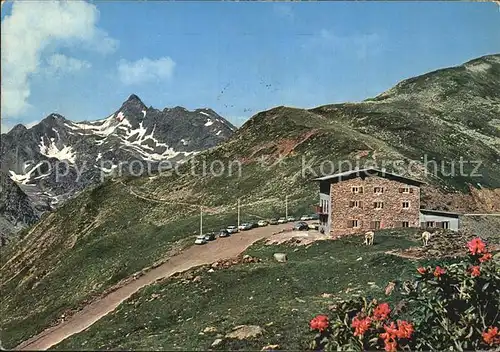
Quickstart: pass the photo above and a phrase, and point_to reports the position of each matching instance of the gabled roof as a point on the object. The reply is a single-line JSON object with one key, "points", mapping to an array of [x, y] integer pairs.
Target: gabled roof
{"points": [[366, 173]]}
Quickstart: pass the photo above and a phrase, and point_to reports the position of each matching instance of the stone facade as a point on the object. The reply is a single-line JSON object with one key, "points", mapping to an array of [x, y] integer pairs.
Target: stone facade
{"points": [[344, 210]]}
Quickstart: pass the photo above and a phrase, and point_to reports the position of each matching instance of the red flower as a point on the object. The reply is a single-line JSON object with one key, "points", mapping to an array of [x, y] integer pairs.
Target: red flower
{"points": [[422, 270], [390, 345], [486, 257], [475, 270], [491, 336], [320, 322], [405, 329], [390, 332], [476, 246], [381, 312], [360, 325], [439, 271]]}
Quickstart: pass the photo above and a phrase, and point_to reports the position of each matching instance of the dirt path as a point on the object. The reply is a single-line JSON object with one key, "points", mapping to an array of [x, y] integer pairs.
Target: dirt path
{"points": [[222, 248]]}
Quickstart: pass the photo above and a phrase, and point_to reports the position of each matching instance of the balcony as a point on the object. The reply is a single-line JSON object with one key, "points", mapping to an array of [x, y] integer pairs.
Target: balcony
{"points": [[320, 211]]}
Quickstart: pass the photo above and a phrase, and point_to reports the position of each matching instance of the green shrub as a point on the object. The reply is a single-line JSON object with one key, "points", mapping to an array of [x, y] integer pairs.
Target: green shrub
{"points": [[454, 307]]}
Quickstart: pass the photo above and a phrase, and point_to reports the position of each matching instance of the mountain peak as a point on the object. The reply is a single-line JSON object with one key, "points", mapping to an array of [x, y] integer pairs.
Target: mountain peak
{"points": [[134, 99]]}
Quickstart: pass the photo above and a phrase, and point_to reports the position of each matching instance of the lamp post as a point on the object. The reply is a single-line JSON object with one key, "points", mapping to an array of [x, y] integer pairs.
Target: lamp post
{"points": [[286, 207], [238, 213], [201, 220]]}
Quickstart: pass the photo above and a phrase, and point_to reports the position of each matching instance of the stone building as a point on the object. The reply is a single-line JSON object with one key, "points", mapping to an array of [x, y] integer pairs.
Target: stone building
{"points": [[370, 199]]}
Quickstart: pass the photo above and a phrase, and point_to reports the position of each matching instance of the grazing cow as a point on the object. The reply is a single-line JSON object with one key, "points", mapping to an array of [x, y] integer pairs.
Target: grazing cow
{"points": [[425, 237], [390, 288], [369, 238]]}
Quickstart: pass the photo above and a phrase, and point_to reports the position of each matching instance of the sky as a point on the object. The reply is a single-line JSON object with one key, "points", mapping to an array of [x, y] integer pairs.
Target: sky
{"points": [[83, 59]]}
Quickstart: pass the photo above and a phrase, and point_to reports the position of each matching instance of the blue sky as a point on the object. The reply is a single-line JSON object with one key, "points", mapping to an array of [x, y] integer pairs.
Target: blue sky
{"points": [[83, 60]]}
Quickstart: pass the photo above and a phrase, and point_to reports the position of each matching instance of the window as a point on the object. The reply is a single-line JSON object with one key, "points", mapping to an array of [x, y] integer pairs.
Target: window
{"points": [[406, 205], [444, 225], [354, 223], [378, 190], [406, 190], [429, 224], [375, 225], [355, 204], [405, 224], [378, 205], [357, 189]]}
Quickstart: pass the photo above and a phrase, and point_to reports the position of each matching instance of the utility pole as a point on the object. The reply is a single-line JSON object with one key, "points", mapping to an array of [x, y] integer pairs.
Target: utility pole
{"points": [[238, 213], [201, 220], [286, 207]]}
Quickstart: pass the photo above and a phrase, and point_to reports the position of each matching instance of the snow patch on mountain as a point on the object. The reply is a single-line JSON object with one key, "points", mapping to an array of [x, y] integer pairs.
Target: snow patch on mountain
{"points": [[209, 123], [25, 178], [52, 151]]}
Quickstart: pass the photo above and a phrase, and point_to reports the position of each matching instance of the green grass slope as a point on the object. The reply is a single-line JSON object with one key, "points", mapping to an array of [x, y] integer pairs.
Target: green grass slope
{"points": [[279, 297]]}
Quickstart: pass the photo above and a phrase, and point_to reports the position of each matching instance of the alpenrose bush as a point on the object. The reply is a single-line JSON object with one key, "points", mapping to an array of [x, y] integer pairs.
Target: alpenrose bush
{"points": [[451, 308]]}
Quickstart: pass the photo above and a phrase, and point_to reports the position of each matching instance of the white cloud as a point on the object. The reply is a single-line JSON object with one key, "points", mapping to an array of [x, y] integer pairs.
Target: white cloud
{"points": [[59, 63], [33, 26], [145, 70], [4, 128]]}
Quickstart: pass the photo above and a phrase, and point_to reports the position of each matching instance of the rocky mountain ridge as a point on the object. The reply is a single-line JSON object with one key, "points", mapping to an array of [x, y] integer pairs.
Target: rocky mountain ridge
{"points": [[57, 158]]}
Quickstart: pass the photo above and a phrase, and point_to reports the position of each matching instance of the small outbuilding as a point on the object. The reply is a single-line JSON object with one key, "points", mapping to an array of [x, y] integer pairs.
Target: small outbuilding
{"points": [[439, 219]]}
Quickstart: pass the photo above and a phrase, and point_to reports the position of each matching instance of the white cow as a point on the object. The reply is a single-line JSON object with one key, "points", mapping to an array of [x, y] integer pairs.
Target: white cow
{"points": [[425, 237], [369, 238]]}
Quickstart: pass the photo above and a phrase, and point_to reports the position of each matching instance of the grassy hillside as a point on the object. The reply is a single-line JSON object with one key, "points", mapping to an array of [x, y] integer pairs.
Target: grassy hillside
{"points": [[108, 233], [279, 297]]}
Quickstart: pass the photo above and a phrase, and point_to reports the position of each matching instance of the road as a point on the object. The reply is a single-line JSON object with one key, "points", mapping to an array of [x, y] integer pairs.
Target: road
{"points": [[222, 248]]}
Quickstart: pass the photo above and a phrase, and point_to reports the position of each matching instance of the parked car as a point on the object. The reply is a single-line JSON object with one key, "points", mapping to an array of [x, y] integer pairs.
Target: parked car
{"points": [[314, 226], [246, 226], [273, 221], [210, 236], [262, 223], [254, 225], [290, 219], [200, 239], [314, 216], [224, 233], [232, 229], [282, 220], [305, 217], [301, 226]]}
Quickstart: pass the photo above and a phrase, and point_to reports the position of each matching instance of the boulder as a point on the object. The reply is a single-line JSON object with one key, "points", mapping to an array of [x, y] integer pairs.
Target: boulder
{"points": [[216, 342], [280, 257], [245, 331], [210, 330]]}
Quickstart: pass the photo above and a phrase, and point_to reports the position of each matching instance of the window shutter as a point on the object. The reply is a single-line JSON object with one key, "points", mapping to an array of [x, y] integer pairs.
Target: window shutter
{"points": [[361, 204], [360, 223], [401, 190], [374, 204], [411, 190], [349, 223], [360, 189], [351, 204]]}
